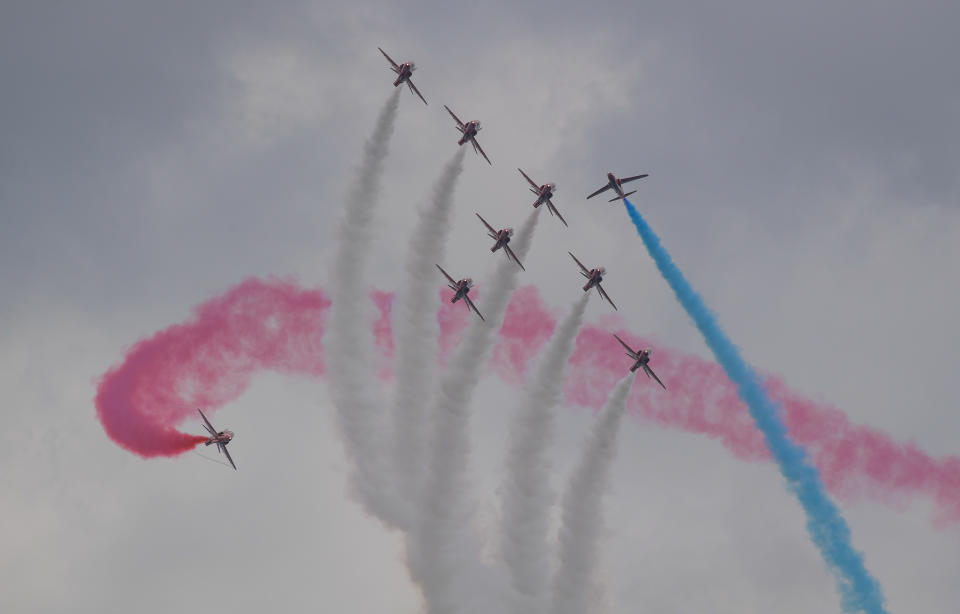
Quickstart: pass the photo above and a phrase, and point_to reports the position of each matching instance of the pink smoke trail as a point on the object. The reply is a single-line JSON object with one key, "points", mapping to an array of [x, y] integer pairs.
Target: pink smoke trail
{"points": [[273, 324], [208, 361]]}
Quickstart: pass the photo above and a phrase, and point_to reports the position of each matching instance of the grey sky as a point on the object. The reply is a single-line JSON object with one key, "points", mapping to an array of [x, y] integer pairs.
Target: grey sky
{"points": [[803, 162]]}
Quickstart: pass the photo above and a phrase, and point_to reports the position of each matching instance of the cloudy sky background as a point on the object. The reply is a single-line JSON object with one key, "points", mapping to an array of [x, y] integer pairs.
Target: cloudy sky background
{"points": [[803, 166]]}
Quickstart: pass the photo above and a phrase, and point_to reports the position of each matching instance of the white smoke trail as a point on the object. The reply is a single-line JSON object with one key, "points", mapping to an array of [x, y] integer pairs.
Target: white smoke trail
{"points": [[527, 496], [582, 516], [439, 549], [415, 355], [349, 337]]}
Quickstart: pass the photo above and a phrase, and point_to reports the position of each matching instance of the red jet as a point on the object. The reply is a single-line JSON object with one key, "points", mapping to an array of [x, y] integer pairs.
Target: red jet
{"points": [[461, 289], [641, 358], [615, 185], [502, 238], [221, 438], [594, 277], [404, 72], [544, 194], [469, 131]]}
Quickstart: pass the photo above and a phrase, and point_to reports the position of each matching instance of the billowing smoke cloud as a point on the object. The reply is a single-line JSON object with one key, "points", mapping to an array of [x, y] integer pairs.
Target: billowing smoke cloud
{"points": [[208, 361], [859, 591], [527, 496], [259, 325], [361, 413], [437, 548], [581, 524], [417, 328]]}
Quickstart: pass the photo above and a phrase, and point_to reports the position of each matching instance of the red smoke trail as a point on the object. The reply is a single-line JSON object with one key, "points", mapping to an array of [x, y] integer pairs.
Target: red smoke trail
{"points": [[274, 324], [208, 361]]}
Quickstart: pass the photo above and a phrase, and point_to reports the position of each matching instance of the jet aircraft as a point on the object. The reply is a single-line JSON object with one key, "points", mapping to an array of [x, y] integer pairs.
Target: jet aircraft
{"points": [[594, 277], [221, 438], [502, 238], [461, 290], [469, 131], [616, 185], [404, 72], [641, 359], [544, 195]]}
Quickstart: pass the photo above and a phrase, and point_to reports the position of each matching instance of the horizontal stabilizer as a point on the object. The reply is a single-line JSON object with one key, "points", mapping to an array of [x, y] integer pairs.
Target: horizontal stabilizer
{"points": [[622, 197]]}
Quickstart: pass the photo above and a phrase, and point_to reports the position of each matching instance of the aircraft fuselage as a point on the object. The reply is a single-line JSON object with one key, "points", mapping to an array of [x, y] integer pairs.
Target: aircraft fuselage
{"points": [[469, 132], [503, 237], [595, 277], [405, 72]]}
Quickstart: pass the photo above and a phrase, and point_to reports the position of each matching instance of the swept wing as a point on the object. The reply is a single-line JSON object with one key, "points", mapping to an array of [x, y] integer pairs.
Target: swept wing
{"points": [[554, 211], [631, 354], [207, 425], [455, 118], [413, 88], [600, 191], [396, 67], [489, 227], [650, 373], [447, 275], [225, 451], [529, 180], [477, 148], [586, 271], [513, 256], [606, 296], [470, 305]]}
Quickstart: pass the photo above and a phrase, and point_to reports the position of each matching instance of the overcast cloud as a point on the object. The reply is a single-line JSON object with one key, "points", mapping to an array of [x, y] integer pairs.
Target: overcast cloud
{"points": [[803, 172]]}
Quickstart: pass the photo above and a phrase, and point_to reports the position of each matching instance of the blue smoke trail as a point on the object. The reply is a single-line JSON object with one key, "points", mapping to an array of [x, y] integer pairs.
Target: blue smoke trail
{"points": [[859, 591]]}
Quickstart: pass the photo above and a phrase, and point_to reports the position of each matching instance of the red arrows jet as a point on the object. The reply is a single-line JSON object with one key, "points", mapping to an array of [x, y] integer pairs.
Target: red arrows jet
{"points": [[221, 438], [641, 358], [544, 194], [615, 185], [502, 238], [461, 289], [404, 72], [594, 277], [469, 131]]}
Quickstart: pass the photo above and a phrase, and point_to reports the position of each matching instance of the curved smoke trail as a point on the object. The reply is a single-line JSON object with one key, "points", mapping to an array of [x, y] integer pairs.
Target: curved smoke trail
{"points": [[437, 546], [858, 589], [527, 496], [208, 360], [359, 409], [417, 331], [581, 527]]}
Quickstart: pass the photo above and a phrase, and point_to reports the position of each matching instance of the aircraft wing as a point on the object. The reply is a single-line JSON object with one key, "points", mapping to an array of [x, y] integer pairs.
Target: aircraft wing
{"points": [[445, 274], [514, 256], [626, 179], [224, 448], [395, 69], [470, 305], [489, 227], [600, 191], [650, 373], [414, 89], [528, 179], [629, 349], [606, 296], [580, 264], [455, 118], [207, 425], [553, 210], [476, 146]]}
